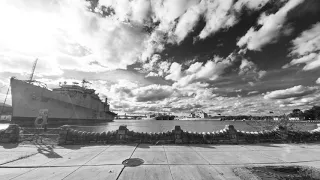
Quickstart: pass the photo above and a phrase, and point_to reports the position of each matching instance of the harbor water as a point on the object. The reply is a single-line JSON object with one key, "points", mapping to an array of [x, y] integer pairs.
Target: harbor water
{"points": [[167, 125], [163, 126]]}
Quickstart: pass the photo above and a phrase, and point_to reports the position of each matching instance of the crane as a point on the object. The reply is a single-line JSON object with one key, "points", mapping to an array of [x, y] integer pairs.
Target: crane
{"points": [[33, 68]]}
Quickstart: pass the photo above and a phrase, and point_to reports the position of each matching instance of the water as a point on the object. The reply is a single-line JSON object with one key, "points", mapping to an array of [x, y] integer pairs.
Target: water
{"points": [[163, 126]]}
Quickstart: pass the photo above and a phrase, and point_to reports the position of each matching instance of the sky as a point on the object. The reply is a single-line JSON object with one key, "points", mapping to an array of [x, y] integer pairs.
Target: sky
{"points": [[227, 57]]}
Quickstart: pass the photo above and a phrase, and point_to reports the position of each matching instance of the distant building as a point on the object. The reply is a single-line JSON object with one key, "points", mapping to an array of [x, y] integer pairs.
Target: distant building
{"points": [[199, 114], [294, 118]]}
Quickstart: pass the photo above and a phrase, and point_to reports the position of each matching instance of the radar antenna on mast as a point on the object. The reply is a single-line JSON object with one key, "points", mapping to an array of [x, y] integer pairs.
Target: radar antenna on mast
{"points": [[33, 68]]}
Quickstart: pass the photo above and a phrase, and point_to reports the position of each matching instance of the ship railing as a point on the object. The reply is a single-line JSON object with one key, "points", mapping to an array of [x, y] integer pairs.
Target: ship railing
{"points": [[37, 83]]}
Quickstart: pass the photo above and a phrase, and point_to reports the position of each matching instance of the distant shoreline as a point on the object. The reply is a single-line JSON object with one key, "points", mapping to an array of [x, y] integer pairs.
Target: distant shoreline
{"points": [[198, 119]]}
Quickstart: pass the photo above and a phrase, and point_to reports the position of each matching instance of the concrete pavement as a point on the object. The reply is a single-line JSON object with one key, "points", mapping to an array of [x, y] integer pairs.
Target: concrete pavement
{"points": [[168, 162]]}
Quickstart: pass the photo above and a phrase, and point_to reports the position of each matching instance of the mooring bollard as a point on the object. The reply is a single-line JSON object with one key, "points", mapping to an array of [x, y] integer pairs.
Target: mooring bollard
{"points": [[122, 133], [177, 134], [231, 133], [63, 133]]}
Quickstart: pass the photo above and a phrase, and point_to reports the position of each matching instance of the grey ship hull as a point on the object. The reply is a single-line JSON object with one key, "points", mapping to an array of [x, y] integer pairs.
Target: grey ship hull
{"points": [[28, 99]]}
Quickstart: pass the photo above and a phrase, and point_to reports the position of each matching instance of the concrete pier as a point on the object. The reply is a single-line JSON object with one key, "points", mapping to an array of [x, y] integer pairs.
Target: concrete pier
{"points": [[167, 162]]}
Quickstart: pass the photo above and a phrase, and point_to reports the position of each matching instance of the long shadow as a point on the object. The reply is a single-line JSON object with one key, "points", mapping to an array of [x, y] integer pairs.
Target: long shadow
{"points": [[144, 146], [73, 147], [209, 146], [47, 150], [263, 144], [79, 146]]}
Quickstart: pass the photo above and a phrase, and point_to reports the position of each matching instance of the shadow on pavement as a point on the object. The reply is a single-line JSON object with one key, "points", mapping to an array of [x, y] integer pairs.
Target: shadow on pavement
{"points": [[47, 150], [144, 146], [9, 145], [263, 144], [209, 146]]}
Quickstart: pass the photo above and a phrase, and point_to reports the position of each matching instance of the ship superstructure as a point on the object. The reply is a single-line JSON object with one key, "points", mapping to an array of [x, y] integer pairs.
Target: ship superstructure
{"points": [[68, 103]]}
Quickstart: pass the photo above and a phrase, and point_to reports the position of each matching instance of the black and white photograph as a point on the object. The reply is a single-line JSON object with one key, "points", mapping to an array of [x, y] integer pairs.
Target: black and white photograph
{"points": [[159, 89]]}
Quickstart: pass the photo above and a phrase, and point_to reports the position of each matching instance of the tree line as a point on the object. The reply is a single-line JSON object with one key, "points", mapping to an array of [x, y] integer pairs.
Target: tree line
{"points": [[309, 114]]}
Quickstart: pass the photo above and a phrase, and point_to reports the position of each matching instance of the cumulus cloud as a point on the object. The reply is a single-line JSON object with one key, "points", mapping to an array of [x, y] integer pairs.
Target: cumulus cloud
{"points": [[246, 67], [217, 17], [294, 92], [68, 29], [175, 72], [210, 71], [152, 93], [177, 19], [308, 41], [309, 100], [262, 73], [150, 74], [272, 27], [132, 92], [97, 40], [306, 47], [318, 81], [155, 67], [253, 5], [249, 68]]}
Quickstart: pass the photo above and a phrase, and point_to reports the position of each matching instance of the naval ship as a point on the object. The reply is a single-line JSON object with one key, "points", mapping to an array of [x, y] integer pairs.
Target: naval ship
{"points": [[68, 104]]}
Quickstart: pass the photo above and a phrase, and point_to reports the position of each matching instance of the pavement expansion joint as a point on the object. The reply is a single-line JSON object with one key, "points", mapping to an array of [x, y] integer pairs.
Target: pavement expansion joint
{"points": [[126, 160], [86, 162]]}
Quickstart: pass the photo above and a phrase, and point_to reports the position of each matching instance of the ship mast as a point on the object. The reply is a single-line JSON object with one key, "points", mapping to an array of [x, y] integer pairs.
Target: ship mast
{"points": [[33, 69]]}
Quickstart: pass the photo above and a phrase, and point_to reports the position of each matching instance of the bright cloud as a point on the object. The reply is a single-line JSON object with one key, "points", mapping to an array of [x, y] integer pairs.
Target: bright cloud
{"points": [[272, 27], [175, 72], [197, 72], [294, 92], [126, 48], [250, 4], [307, 47], [250, 69], [68, 29], [246, 67]]}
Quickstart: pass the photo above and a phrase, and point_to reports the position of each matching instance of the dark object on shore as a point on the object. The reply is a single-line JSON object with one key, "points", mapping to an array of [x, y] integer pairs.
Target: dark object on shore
{"points": [[11, 134]]}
